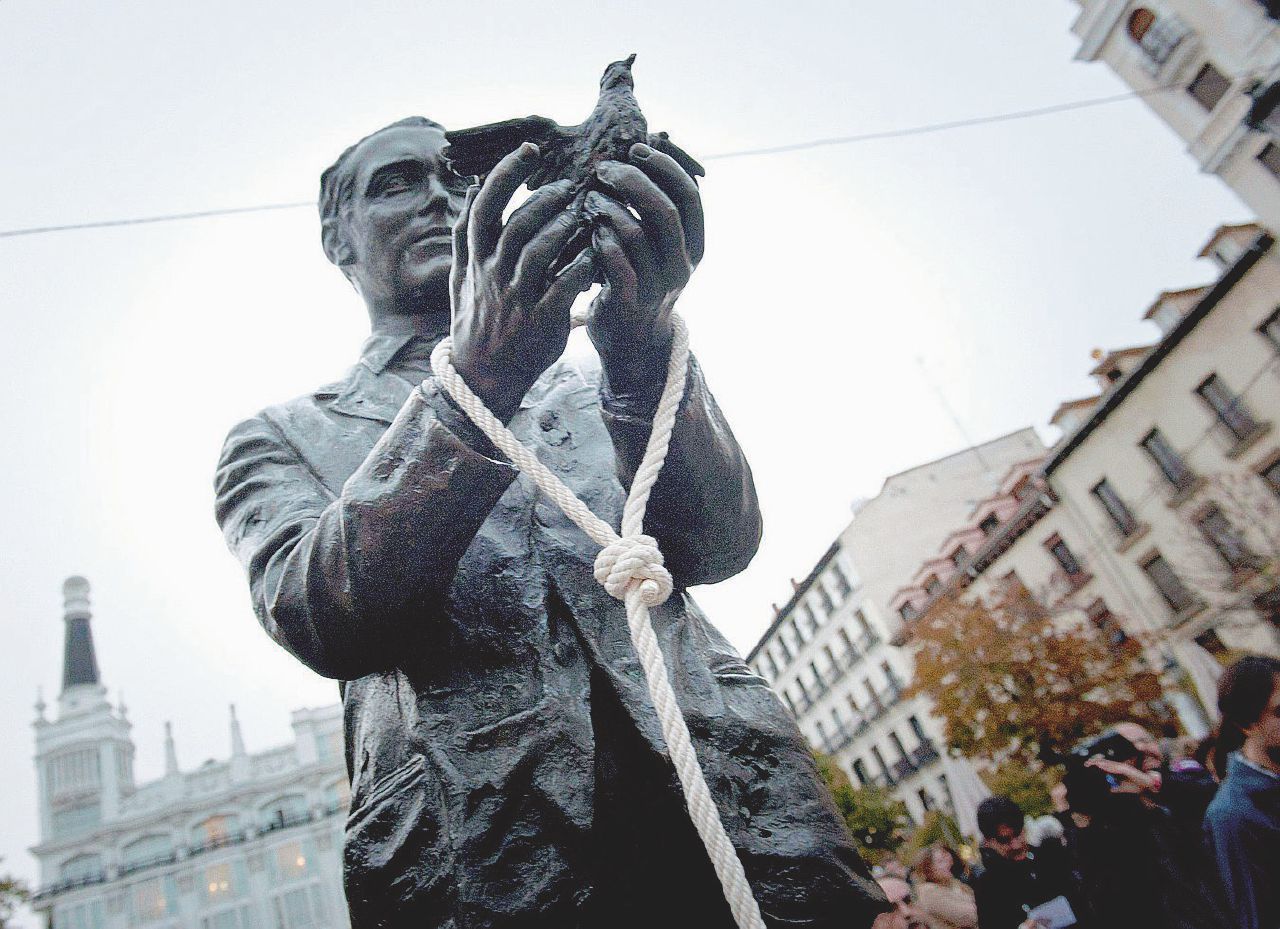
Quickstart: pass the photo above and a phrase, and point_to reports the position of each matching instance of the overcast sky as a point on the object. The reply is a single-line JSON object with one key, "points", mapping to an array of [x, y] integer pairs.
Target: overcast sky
{"points": [[995, 257]]}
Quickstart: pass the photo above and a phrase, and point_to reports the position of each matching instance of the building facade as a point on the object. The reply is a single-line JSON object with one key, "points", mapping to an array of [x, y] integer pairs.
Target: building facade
{"points": [[1208, 68], [252, 842], [1157, 512], [832, 651]]}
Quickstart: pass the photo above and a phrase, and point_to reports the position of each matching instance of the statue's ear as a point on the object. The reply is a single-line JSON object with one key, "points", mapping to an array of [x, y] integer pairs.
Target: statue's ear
{"points": [[336, 247]]}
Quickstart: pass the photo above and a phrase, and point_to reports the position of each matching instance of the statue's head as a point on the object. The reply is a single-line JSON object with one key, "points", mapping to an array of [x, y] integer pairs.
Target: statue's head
{"points": [[387, 207]]}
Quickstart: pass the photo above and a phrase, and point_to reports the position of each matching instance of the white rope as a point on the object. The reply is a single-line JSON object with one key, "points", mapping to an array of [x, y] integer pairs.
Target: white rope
{"points": [[630, 567]]}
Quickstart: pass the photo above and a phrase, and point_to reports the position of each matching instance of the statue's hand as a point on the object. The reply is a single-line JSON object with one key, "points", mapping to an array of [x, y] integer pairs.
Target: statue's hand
{"points": [[646, 264], [510, 316]]}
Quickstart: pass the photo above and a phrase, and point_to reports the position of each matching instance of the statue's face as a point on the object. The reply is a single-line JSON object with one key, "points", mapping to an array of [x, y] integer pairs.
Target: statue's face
{"points": [[398, 224]]}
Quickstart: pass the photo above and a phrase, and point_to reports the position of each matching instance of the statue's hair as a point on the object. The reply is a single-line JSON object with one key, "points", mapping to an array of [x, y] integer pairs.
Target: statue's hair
{"points": [[335, 189]]}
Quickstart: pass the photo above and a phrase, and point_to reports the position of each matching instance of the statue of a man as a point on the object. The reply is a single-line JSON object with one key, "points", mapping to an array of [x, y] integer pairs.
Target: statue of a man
{"points": [[507, 766]]}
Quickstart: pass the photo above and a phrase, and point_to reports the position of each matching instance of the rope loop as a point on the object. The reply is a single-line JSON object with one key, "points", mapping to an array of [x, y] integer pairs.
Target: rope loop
{"points": [[634, 561]]}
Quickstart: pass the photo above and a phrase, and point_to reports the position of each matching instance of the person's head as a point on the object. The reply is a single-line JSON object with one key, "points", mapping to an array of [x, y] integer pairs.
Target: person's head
{"points": [[903, 915], [1001, 823], [1249, 701], [387, 208], [1149, 755], [935, 863]]}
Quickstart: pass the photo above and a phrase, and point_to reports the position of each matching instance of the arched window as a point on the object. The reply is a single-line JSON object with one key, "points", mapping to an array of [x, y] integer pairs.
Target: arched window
{"points": [[1140, 20], [215, 831], [146, 850], [283, 811], [80, 867]]}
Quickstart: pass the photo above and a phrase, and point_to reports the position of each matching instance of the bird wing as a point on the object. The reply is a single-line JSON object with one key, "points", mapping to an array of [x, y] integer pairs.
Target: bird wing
{"points": [[477, 150], [662, 142]]}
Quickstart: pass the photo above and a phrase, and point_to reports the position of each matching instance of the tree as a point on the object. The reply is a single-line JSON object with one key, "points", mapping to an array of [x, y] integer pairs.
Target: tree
{"points": [[874, 816], [1024, 784], [13, 893], [1012, 680]]}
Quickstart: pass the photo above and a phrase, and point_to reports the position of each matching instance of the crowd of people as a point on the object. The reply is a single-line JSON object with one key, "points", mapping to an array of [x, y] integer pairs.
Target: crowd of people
{"points": [[1144, 834]]}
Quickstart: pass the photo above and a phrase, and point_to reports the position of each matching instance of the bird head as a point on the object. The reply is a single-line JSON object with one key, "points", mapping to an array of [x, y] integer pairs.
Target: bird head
{"points": [[618, 74]]}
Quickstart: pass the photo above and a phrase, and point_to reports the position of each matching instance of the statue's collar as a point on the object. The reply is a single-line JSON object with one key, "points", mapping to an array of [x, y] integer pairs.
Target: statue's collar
{"points": [[394, 334]]}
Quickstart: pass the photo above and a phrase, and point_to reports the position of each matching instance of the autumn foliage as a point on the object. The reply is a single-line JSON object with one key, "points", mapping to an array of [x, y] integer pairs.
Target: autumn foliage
{"points": [[1012, 680]]}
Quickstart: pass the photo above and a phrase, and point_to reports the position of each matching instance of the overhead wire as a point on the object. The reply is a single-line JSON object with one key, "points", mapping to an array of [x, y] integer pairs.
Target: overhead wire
{"points": [[901, 132]]}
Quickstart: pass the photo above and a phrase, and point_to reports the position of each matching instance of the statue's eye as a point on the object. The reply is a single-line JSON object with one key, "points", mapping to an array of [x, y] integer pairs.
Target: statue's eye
{"points": [[391, 184]]}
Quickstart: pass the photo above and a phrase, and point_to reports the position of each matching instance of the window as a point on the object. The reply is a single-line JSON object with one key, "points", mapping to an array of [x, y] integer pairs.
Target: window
{"points": [[864, 624], [860, 772], [1269, 157], [823, 739], [1115, 507], [945, 785], [917, 730], [80, 868], [215, 831], [219, 884], [853, 705], [819, 683], [150, 849], [960, 557], [1271, 474], [832, 663], [1270, 329], [1023, 488], [150, 901], [926, 799], [908, 611], [990, 524], [798, 636], [787, 652], [884, 767], [841, 581], [1228, 407], [1208, 86], [82, 916], [824, 599], [897, 744], [290, 861], [791, 704], [932, 586], [850, 650], [805, 622], [1170, 586], [1170, 463], [1106, 623], [76, 819], [286, 811], [301, 909], [1224, 539], [1211, 643], [1063, 555]]}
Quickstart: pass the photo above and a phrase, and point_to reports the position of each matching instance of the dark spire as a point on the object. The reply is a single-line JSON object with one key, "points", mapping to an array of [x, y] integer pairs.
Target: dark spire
{"points": [[79, 663]]}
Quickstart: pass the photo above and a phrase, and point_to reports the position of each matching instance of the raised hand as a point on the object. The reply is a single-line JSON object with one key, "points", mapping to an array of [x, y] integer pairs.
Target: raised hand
{"points": [[510, 316], [646, 263]]}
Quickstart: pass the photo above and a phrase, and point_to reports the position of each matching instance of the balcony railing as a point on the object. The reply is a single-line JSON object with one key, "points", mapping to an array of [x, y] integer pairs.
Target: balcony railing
{"points": [[156, 861], [70, 883]]}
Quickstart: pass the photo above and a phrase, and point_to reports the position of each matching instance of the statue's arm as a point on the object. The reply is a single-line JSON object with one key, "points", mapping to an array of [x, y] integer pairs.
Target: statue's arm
{"points": [[341, 581], [703, 510]]}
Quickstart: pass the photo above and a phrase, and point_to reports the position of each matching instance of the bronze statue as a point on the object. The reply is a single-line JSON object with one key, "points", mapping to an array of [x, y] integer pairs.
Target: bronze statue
{"points": [[506, 764]]}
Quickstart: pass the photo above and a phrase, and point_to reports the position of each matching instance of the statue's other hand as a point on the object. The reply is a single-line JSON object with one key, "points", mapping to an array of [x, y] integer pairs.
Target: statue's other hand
{"points": [[646, 263], [510, 314]]}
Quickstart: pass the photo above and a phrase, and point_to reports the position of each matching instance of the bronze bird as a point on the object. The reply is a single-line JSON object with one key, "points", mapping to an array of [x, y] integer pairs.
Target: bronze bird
{"points": [[570, 152]]}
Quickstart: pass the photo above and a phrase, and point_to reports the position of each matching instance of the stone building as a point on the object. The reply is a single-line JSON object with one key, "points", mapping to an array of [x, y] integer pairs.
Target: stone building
{"points": [[830, 651], [1208, 68], [250, 842], [1157, 512]]}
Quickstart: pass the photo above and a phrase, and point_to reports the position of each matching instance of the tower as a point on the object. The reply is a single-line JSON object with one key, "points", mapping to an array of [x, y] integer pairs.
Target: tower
{"points": [[84, 756]]}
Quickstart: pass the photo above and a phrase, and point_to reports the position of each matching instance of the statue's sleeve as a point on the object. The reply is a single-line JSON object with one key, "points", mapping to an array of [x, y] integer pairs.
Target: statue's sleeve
{"points": [[345, 582], [703, 510]]}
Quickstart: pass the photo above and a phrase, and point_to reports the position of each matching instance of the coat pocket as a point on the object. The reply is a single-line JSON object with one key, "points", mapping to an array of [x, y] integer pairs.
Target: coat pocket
{"points": [[397, 857]]}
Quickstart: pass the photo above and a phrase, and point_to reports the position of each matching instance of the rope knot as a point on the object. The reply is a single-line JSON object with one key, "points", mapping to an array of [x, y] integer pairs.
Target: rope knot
{"points": [[634, 560]]}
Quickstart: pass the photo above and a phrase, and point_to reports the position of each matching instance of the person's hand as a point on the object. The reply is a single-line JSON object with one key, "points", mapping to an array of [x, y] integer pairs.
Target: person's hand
{"points": [[1058, 798], [510, 316], [1033, 924], [646, 263], [1129, 780]]}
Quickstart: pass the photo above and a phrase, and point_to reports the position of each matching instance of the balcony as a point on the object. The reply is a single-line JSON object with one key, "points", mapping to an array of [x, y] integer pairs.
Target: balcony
{"points": [[222, 841], [154, 861], [903, 769], [925, 754], [285, 821], [52, 890]]}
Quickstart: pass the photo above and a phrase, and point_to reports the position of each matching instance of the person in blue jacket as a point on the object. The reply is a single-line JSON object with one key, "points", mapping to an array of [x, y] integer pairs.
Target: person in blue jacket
{"points": [[1242, 824]]}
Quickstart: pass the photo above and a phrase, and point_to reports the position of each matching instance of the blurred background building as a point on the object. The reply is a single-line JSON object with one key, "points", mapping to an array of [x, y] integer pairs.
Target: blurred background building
{"points": [[1211, 70], [250, 842]]}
